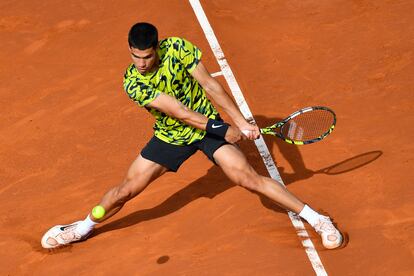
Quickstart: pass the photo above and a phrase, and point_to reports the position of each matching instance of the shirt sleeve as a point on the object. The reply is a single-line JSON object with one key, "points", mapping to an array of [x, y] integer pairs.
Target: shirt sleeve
{"points": [[187, 53], [140, 92]]}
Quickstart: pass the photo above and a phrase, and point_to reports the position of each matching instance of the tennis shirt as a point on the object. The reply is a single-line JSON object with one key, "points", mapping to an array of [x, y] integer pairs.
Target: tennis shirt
{"points": [[177, 59]]}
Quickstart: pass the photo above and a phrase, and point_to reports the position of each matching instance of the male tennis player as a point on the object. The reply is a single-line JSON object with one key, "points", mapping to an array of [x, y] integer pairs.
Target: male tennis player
{"points": [[168, 78]]}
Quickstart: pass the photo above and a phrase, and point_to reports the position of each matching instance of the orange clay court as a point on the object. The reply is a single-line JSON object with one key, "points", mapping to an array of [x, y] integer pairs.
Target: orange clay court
{"points": [[69, 132]]}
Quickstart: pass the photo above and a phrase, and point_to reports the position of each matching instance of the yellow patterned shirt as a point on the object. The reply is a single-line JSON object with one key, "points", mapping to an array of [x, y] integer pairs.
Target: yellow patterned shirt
{"points": [[178, 58]]}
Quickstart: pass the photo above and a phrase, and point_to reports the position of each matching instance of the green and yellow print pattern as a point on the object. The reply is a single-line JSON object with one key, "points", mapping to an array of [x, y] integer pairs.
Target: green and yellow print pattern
{"points": [[178, 58]]}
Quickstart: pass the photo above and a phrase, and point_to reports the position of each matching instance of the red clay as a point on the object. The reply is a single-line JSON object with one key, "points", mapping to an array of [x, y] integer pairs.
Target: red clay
{"points": [[69, 133]]}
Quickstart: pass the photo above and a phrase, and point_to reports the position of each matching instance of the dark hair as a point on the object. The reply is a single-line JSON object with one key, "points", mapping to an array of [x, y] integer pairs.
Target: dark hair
{"points": [[143, 36]]}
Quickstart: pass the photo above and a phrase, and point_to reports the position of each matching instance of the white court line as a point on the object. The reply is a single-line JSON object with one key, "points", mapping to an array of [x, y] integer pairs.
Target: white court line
{"points": [[216, 74], [260, 144]]}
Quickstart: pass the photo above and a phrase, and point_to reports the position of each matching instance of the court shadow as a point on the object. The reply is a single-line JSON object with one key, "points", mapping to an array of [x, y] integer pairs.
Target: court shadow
{"points": [[351, 164], [293, 156], [207, 186], [215, 182], [290, 152]]}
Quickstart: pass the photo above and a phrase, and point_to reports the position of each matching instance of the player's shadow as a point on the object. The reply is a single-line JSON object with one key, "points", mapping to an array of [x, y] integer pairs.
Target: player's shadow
{"points": [[293, 156], [215, 182]]}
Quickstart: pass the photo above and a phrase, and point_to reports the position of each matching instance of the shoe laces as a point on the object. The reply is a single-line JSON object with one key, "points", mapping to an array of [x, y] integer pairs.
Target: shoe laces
{"points": [[325, 225], [70, 234]]}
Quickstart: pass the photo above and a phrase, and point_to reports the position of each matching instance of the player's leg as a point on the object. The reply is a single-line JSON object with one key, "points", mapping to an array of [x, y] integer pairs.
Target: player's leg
{"points": [[156, 158], [140, 174], [236, 167]]}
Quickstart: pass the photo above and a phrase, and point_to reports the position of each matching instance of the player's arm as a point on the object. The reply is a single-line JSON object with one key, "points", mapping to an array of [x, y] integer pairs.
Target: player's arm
{"points": [[214, 89], [174, 108]]}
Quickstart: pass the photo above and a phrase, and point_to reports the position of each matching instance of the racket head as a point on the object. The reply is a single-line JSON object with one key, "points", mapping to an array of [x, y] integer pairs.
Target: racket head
{"points": [[305, 126]]}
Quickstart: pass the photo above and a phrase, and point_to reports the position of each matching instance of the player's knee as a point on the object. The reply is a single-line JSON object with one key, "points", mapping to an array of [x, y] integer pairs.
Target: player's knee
{"points": [[251, 182]]}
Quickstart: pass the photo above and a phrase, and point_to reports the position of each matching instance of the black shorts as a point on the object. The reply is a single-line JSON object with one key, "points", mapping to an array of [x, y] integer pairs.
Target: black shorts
{"points": [[172, 156]]}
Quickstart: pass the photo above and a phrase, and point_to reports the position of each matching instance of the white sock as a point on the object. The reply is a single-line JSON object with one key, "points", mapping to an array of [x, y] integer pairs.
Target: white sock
{"points": [[86, 226], [309, 215]]}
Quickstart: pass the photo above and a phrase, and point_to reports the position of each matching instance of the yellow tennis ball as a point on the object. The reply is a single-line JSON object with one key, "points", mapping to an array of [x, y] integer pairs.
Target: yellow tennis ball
{"points": [[98, 212]]}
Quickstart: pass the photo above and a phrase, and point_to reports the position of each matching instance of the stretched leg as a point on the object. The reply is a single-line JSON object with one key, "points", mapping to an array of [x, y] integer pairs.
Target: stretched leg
{"points": [[140, 174], [235, 166]]}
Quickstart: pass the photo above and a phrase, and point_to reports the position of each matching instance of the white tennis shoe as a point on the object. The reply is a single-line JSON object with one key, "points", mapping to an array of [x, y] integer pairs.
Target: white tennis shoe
{"points": [[60, 235], [331, 237]]}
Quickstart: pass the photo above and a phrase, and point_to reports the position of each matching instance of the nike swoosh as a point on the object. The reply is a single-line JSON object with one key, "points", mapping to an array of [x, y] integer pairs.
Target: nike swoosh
{"points": [[214, 126], [63, 228]]}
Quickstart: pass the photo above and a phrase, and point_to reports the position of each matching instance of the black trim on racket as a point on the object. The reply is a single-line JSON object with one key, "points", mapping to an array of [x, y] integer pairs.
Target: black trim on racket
{"points": [[305, 126]]}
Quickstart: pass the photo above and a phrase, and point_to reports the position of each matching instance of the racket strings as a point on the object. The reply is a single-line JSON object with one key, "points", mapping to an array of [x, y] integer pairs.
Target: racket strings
{"points": [[308, 126]]}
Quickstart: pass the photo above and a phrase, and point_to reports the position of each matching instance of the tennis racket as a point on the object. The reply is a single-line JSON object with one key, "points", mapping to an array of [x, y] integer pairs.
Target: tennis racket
{"points": [[305, 126]]}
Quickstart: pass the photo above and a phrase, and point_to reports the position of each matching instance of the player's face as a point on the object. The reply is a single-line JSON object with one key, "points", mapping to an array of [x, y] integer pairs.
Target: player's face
{"points": [[144, 60]]}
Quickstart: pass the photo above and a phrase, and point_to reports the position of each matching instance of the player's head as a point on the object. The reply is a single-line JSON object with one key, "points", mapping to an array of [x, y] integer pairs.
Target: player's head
{"points": [[143, 43], [142, 36]]}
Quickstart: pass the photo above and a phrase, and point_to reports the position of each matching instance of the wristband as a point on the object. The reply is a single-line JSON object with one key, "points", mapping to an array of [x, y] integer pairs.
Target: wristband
{"points": [[218, 128]]}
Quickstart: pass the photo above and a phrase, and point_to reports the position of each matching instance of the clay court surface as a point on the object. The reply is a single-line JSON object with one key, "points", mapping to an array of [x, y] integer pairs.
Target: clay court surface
{"points": [[68, 133]]}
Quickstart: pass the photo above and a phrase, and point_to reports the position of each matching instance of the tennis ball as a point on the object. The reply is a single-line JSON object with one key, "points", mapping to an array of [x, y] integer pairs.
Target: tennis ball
{"points": [[98, 212]]}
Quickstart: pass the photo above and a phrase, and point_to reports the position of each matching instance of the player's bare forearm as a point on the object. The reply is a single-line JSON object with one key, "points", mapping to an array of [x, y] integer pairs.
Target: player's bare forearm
{"points": [[225, 102], [214, 89], [174, 108], [192, 118]]}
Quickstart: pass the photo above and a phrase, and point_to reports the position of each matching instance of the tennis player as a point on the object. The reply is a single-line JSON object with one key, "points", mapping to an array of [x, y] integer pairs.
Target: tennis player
{"points": [[168, 79]]}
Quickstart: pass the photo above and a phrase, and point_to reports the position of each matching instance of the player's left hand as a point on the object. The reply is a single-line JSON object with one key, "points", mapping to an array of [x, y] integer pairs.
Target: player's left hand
{"points": [[250, 131]]}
